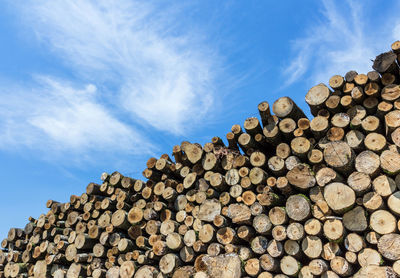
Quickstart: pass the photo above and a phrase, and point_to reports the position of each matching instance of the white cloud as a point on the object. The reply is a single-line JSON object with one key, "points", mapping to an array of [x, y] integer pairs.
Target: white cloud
{"points": [[55, 116], [162, 73], [343, 38]]}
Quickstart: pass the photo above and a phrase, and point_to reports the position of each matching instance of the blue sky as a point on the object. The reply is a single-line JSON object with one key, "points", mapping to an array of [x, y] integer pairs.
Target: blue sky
{"points": [[100, 86]]}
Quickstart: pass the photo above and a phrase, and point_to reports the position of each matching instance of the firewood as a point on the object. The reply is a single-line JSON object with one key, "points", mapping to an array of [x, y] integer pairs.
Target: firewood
{"points": [[339, 156], [339, 197], [359, 182], [369, 256], [382, 222], [355, 220], [313, 227], [290, 266], [341, 266], [316, 97], [318, 266], [385, 62], [330, 250], [393, 202], [319, 126], [311, 246], [390, 162], [285, 107], [286, 196], [301, 177], [367, 162], [333, 229]]}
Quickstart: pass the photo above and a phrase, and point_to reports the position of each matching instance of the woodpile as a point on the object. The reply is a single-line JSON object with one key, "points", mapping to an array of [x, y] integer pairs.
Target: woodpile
{"points": [[286, 196]]}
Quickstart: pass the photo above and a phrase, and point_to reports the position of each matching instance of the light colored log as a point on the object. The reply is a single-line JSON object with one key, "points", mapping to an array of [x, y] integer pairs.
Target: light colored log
{"points": [[341, 266], [239, 213], [312, 246], [390, 162], [318, 266], [313, 227], [359, 182], [339, 197], [301, 177], [290, 266], [333, 229], [285, 107], [393, 203], [389, 246], [384, 185], [319, 126], [316, 97], [209, 209], [295, 231], [252, 267], [298, 207], [168, 263], [330, 250], [372, 201], [339, 156], [369, 256], [383, 222], [375, 142]]}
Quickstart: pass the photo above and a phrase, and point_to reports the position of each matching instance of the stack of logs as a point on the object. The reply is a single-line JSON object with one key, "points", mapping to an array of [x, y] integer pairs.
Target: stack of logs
{"points": [[286, 196]]}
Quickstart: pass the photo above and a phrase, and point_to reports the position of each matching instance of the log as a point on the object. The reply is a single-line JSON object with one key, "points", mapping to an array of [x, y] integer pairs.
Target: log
{"points": [[290, 266], [319, 126], [252, 126], [390, 162], [295, 231], [301, 177], [375, 271], [367, 162], [339, 156], [372, 201], [336, 82], [385, 62], [341, 266], [333, 229], [382, 222], [339, 197], [194, 153], [313, 227], [264, 111], [384, 185], [298, 207], [389, 246], [369, 256], [252, 267], [359, 182], [316, 97], [318, 266], [262, 224], [285, 107], [355, 220], [393, 203], [168, 263]]}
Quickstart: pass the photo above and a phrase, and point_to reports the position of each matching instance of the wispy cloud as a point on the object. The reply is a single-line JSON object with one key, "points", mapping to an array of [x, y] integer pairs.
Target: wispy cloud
{"points": [[341, 38], [134, 65], [162, 73], [53, 115]]}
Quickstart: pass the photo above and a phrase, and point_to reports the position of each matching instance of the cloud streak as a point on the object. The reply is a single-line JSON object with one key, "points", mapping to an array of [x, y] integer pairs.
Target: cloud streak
{"points": [[342, 38], [161, 73], [57, 116], [132, 69]]}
